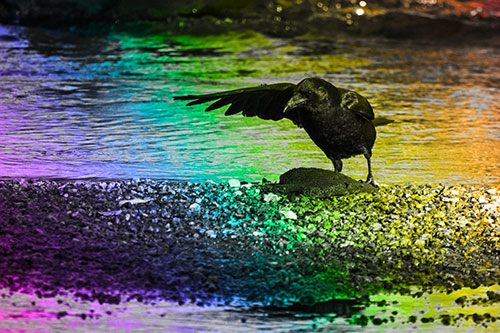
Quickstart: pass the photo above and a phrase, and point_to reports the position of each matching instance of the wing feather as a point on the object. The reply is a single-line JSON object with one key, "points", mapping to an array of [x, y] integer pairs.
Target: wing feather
{"points": [[264, 101], [250, 109], [199, 101], [356, 103], [273, 110], [220, 103], [236, 107]]}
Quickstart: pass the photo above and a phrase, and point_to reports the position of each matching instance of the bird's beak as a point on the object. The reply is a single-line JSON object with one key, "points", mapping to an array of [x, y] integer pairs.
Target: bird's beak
{"points": [[295, 102]]}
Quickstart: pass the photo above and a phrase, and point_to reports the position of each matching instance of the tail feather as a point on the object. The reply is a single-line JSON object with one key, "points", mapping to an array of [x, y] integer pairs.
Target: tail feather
{"points": [[381, 121]]}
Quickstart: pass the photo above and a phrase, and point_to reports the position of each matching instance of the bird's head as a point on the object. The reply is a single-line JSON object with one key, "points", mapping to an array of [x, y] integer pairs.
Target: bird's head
{"points": [[313, 94]]}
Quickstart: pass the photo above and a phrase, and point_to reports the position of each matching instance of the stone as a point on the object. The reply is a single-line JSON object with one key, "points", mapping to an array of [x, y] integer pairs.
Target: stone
{"points": [[319, 183]]}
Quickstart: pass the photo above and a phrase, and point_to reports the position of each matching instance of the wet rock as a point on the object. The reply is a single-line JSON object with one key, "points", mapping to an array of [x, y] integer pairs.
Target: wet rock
{"points": [[289, 214], [320, 183], [234, 183]]}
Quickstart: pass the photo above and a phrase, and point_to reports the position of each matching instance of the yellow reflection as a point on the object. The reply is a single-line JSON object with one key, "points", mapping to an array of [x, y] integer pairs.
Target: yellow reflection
{"points": [[457, 305]]}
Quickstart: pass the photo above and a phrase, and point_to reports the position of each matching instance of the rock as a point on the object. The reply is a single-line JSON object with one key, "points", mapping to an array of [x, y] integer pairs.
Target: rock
{"points": [[288, 214], [111, 212], [319, 183], [134, 201], [271, 197], [235, 183]]}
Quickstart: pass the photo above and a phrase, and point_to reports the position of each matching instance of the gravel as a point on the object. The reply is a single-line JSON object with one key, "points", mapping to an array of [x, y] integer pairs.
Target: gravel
{"points": [[240, 244]]}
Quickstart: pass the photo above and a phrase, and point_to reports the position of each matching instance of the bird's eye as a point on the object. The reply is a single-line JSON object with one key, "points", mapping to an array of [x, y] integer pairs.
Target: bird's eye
{"points": [[309, 92]]}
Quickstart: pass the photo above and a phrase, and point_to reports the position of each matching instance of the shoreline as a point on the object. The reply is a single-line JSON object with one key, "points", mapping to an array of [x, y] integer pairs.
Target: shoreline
{"points": [[210, 244]]}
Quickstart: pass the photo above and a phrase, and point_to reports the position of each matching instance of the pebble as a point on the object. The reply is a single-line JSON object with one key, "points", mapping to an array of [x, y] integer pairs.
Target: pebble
{"points": [[133, 201], [234, 183], [271, 197], [288, 214], [194, 206]]}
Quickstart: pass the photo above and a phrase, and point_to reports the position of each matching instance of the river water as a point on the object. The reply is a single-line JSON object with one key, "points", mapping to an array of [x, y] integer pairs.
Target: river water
{"points": [[100, 105]]}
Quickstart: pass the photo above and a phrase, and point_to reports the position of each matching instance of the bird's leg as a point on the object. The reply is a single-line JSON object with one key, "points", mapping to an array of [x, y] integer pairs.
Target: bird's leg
{"points": [[337, 164], [369, 178]]}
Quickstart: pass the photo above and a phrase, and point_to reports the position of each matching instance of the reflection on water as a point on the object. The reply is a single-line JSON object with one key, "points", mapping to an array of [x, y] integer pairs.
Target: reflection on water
{"points": [[460, 311], [23, 312], [77, 106]]}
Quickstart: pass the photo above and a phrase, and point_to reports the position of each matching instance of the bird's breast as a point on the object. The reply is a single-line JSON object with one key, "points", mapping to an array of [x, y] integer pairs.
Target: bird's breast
{"points": [[339, 134]]}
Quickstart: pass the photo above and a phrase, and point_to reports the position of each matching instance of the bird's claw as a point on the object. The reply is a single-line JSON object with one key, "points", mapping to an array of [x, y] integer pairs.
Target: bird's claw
{"points": [[371, 181]]}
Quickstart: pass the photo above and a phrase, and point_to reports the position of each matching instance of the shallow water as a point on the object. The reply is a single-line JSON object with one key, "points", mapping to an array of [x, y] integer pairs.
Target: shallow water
{"points": [[22, 312], [80, 105]]}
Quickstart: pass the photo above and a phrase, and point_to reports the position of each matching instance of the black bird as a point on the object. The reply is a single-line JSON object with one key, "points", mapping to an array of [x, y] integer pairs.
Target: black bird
{"points": [[341, 122]]}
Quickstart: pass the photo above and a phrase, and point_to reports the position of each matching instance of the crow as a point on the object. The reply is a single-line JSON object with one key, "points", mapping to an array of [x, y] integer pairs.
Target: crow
{"points": [[340, 122]]}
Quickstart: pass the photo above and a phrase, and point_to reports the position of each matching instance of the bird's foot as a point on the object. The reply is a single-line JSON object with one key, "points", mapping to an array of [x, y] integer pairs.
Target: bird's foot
{"points": [[370, 180]]}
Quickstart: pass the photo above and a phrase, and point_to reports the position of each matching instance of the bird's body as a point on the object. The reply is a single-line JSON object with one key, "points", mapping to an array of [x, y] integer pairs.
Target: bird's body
{"points": [[339, 121]]}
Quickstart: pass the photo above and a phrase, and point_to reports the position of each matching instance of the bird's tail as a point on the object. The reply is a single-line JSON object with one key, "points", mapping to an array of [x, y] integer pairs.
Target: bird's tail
{"points": [[381, 121]]}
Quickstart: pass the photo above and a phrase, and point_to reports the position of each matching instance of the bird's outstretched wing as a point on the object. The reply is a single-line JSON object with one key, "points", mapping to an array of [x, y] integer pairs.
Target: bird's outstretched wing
{"points": [[264, 101], [356, 103]]}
